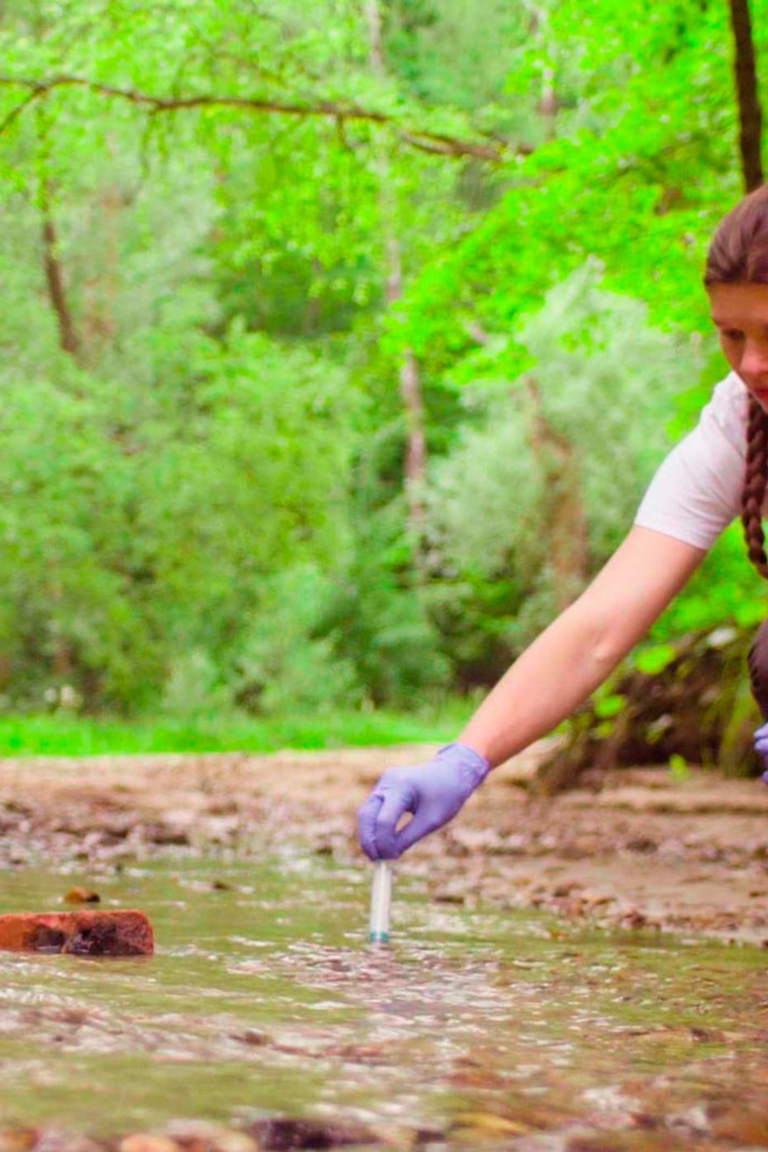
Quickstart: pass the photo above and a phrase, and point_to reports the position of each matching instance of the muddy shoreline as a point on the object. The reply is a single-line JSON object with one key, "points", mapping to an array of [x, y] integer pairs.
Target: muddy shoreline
{"points": [[645, 851]]}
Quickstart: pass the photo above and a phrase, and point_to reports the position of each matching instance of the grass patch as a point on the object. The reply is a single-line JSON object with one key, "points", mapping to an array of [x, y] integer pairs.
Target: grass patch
{"points": [[64, 735]]}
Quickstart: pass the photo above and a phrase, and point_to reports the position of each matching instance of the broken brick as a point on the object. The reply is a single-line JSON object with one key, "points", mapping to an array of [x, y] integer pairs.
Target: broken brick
{"points": [[119, 933]]}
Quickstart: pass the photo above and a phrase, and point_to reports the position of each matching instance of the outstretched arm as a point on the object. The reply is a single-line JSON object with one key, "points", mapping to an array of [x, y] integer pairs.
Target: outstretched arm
{"points": [[551, 679], [583, 645]]}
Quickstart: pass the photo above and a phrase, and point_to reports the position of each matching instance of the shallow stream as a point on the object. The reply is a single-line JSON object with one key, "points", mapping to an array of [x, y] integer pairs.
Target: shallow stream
{"points": [[471, 1029]]}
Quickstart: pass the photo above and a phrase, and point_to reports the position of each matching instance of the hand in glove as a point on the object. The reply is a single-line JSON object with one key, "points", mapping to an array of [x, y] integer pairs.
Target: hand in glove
{"points": [[758, 676], [432, 792], [761, 747]]}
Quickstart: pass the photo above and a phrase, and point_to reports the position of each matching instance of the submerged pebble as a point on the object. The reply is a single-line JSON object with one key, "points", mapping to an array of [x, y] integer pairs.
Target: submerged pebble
{"points": [[81, 896], [285, 1134]]}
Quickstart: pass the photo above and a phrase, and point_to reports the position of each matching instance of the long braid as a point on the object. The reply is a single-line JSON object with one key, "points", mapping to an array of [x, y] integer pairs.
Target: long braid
{"points": [[755, 483], [752, 496]]}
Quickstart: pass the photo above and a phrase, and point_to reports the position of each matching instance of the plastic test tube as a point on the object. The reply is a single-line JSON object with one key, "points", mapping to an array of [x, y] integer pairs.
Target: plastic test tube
{"points": [[381, 899]]}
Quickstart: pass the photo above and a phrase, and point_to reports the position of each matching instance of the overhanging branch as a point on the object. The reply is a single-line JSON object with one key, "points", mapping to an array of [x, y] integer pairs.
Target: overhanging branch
{"points": [[424, 141]]}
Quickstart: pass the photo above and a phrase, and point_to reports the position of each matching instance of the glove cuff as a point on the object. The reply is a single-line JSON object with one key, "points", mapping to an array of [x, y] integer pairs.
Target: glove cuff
{"points": [[474, 767]]}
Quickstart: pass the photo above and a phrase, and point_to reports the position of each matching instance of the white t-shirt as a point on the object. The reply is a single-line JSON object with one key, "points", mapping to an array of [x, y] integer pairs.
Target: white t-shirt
{"points": [[696, 492]]}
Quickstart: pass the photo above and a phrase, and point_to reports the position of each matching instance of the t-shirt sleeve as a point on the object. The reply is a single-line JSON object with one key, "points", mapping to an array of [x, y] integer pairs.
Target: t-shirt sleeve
{"points": [[696, 492]]}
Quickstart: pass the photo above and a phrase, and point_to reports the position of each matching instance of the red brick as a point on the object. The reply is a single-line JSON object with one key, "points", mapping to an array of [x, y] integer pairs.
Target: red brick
{"points": [[122, 933]]}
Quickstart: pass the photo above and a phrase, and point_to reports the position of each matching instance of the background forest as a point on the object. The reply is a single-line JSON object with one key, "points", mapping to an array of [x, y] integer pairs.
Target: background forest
{"points": [[340, 339]]}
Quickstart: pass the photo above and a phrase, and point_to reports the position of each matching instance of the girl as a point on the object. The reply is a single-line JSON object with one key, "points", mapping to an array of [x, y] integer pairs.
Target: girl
{"points": [[718, 468]]}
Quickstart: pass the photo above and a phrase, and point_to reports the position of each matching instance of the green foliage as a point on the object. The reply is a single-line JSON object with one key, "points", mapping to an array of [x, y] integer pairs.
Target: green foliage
{"points": [[138, 536], [286, 658], [202, 502], [379, 620], [678, 767], [66, 735], [66, 543], [593, 357], [726, 590], [608, 706], [654, 658], [193, 687], [422, 36]]}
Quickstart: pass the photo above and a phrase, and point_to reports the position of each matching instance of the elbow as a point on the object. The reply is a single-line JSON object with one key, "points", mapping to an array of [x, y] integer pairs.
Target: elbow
{"points": [[607, 652], [605, 643]]}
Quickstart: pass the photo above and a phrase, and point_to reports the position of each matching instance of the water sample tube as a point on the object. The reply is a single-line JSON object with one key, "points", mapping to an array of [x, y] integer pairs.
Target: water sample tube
{"points": [[381, 900]]}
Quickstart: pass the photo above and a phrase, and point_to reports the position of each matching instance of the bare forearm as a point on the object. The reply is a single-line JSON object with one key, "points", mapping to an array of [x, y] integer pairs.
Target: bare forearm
{"points": [[549, 681], [581, 648]]}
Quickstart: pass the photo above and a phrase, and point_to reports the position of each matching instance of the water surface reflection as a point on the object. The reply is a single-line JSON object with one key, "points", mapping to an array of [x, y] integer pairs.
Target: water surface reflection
{"points": [[473, 1028]]}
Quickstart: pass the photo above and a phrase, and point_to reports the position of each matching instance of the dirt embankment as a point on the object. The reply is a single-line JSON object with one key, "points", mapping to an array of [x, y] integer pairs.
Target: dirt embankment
{"points": [[645, 851]]}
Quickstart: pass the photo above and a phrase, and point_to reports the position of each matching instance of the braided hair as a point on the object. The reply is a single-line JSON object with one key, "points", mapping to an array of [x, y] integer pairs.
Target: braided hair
{"points": [[738, 254], [755, 483]]}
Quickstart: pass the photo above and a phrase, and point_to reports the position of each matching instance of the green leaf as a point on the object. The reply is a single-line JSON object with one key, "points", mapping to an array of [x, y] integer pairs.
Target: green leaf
{"points": [[653, 660], [678, 767], [607, 707]]}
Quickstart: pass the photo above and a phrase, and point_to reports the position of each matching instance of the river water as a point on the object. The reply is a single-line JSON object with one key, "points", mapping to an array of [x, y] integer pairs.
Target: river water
{"points": [[473, 1028]]}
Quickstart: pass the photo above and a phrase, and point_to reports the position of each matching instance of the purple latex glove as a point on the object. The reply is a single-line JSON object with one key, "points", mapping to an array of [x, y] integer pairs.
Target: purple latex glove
{"points": [[761, 747], [433, 792]]}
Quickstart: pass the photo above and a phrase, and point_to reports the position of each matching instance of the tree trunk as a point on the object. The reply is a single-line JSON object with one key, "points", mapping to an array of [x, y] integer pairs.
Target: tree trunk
{"points": [[410, 380], [567, 522], [61, 651], [416, 455], [750, 113], [101, 289], [548, 102], [376, 38], [54, 279]]}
